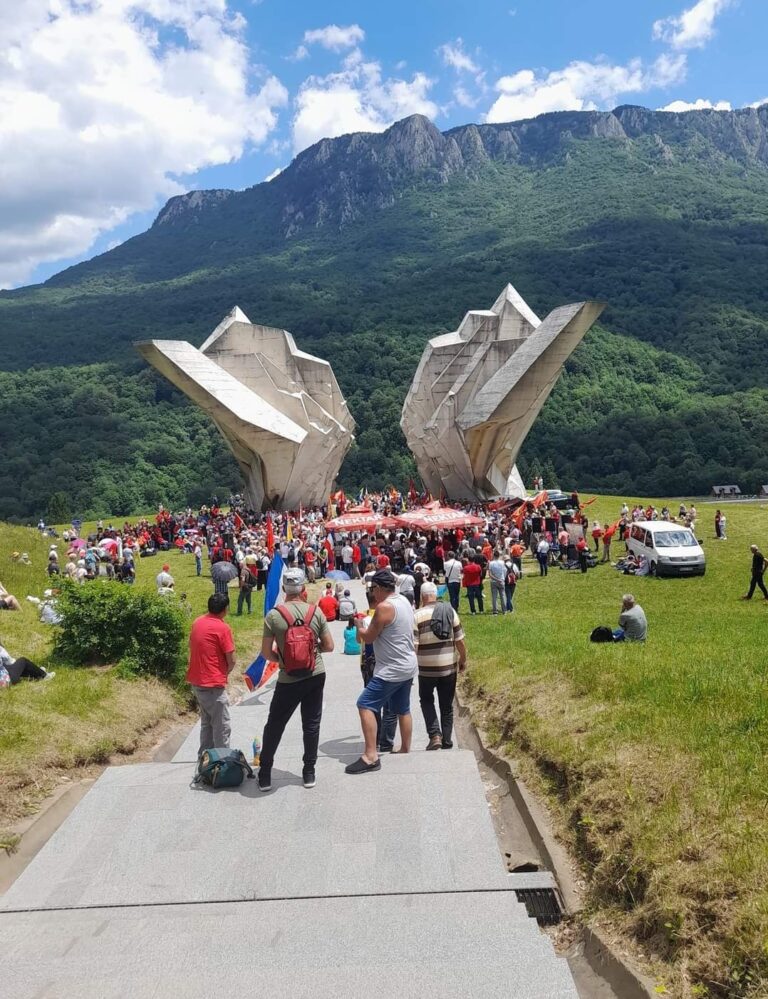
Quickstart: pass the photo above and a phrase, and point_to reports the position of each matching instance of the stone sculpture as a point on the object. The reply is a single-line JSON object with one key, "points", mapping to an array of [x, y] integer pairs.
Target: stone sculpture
{"points": [[477, 391], [280, 410]]}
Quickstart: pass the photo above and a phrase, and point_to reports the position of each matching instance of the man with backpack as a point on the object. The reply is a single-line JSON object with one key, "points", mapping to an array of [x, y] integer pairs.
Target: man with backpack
{"points": [[441, 653], [297, 633]]}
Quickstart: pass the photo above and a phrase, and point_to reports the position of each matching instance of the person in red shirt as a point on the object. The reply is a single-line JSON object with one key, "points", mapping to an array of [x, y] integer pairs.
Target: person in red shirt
{"points": [[328, 604], [211, 660], [472, 578]]}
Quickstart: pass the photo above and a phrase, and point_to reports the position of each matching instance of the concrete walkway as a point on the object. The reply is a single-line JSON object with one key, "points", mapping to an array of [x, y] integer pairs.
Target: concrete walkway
{"points": [[378, 884]]}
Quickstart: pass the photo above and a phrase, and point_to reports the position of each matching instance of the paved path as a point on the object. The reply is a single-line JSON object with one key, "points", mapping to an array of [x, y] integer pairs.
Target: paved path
{"points": [[379, 884]]}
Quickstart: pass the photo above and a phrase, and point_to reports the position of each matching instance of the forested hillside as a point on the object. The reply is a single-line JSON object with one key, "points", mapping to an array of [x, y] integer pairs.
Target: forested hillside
{"points": [[369, 244]]}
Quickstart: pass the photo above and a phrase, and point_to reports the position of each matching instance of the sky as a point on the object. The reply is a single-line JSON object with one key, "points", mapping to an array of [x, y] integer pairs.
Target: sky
{"points": [[110, 107]]}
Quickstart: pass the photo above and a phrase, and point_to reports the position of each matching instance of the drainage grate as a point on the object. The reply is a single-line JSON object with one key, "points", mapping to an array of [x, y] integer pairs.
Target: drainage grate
{"points": [[542, 904], [539, 893]]}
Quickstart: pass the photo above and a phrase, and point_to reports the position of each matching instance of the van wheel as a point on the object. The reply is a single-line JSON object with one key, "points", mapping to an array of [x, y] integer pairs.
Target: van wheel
{"points": [[652, 570]]}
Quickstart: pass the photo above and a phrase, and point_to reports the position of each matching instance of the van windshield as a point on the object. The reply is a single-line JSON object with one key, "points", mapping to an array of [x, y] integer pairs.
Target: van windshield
{"points": [[675, 539]]}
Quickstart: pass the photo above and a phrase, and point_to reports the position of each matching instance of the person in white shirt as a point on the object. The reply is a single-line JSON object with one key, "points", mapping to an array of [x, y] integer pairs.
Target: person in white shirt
{"points": [[452, 568], [542, 554], [164, 581]]}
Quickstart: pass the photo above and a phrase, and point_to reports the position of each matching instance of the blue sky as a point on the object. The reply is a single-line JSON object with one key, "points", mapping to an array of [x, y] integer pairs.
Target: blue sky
{"points": [[108, 107]]}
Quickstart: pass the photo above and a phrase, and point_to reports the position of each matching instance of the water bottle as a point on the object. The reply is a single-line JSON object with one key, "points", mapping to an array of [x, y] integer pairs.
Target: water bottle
{"points": [[256, 751]]}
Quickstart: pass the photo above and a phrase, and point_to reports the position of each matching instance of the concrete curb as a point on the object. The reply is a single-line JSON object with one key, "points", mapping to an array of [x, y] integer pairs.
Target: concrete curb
{"points": [[599, 953]]}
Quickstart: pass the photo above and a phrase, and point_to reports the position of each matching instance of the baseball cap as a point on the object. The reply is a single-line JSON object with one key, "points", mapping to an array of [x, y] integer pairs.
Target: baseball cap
{"points": [[384, 578], [294, 580]]}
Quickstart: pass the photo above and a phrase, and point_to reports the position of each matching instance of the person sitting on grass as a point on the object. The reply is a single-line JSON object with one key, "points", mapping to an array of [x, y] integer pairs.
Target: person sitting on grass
{"points": [[7, 600], [22, 668], [633, 624]]}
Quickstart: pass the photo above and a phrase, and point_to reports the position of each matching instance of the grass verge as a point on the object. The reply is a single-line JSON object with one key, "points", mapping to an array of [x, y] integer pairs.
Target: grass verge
{"points": [[84, 715], [653, 756]]}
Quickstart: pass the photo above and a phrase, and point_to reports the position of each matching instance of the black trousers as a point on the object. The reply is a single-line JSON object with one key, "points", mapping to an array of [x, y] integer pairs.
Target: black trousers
{"points": [[286, 698], [757, 580], [446, 689], [24, 669]]}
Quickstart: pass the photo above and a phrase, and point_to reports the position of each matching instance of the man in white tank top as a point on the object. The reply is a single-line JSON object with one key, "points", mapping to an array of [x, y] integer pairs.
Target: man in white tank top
{"points": [[391, 631]]}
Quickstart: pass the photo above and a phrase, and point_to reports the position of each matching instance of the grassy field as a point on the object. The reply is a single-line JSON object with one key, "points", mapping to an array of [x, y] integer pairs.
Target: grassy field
{"points": [[654, 755], [83, 715]]}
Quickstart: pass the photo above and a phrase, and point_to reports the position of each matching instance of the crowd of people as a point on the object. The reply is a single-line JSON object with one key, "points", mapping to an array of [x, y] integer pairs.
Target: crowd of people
{"points": [[483, 557]]}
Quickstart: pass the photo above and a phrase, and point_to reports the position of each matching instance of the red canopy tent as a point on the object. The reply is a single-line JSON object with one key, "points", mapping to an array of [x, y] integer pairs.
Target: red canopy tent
{"points": [[436, 517], [361, 521]]}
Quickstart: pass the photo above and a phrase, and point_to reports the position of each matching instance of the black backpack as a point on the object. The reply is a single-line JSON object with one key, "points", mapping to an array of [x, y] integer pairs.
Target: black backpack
{"points": [[601, 634]]}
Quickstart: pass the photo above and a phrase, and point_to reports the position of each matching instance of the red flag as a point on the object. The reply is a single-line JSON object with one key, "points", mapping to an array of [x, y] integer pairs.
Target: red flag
{"points": [[239, 522], [412, 494], [270, 536]]}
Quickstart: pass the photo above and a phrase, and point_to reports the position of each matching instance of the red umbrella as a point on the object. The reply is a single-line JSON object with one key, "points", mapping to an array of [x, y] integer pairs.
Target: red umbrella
{"points": [[360, 522], [437, 518]]}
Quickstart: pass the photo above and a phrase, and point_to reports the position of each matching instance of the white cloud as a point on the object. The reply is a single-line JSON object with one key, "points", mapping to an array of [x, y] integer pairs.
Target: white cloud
{"points": [[454, 55], [100, 113], [758, 104], [463, 98], [275, 173], [580, 86], [694, 27], [356, 99], [334, 37], [699, 105]]}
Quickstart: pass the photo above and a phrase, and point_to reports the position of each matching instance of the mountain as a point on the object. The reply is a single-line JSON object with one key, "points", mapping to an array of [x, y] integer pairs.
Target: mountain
{"points": [[367, 245]]}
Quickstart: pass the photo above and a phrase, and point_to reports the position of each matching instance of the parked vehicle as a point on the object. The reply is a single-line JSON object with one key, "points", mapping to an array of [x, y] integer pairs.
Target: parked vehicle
{"points": [[671, 549]]}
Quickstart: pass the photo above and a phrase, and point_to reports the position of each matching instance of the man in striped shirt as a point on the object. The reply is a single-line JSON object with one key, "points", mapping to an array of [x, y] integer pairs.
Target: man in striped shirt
{"points": [[440, 660]]}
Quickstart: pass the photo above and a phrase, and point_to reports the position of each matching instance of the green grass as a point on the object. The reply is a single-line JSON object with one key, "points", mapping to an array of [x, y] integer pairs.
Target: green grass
{"points": [[653, 755], [83, 715]]}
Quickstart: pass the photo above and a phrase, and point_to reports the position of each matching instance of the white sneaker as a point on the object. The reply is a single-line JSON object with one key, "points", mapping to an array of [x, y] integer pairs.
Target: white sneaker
{"points": [[48, 676]]}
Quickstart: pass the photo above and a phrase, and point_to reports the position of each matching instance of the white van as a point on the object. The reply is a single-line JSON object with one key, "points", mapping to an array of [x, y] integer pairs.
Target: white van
{"points": [[671, 549]]}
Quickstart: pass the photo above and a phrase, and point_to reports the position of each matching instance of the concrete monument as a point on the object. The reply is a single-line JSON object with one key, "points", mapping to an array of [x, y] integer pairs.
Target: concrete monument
{"points": [[280, 410], [477, 391]]}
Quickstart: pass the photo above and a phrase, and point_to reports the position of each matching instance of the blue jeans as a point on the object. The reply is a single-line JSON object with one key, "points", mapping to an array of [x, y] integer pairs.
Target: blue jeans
{"points": [[454, 592], [475, 595], [543, 563], [396, 694], [199, 565], [509, 596]]}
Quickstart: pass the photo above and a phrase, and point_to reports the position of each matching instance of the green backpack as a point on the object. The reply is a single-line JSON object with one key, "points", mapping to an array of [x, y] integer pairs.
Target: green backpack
{"points": [[222, 768]]}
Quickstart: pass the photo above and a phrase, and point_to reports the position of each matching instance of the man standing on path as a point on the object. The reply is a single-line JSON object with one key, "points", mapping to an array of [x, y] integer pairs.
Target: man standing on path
{"points": [[758, 569], [497, 573], [439, 660], [211, 660], [391, 632], [452, 568], [293, 688]]}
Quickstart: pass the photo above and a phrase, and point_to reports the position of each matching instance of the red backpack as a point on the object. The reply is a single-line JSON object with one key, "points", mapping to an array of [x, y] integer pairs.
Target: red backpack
{"points": [[300, 645]]}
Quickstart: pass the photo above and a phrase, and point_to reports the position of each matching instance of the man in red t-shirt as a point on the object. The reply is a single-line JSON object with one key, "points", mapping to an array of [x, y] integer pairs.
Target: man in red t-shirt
{"points": [[328, 604], [472, 578], [211, 660]]}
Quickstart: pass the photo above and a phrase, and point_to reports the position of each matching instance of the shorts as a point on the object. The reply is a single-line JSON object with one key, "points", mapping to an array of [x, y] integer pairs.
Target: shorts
{"points": [[395, 693]]}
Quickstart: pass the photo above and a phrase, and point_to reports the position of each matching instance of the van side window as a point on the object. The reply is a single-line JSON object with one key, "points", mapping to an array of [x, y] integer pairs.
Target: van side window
{"points": [[648, 539]]}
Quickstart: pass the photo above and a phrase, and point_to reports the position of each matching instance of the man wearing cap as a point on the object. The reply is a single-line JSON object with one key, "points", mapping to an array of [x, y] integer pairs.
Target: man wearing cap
{"points": [[291, 692], [164, 580], [391, 632]]}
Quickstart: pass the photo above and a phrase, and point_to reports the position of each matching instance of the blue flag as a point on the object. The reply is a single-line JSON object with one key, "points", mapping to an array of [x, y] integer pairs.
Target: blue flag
{"points": [[257, 672]]}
